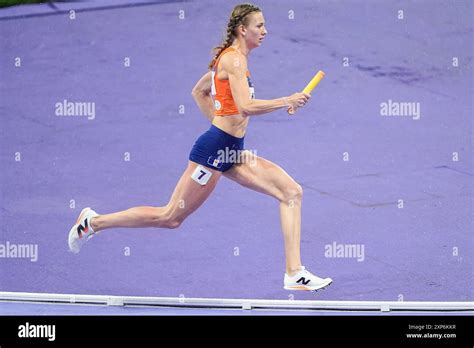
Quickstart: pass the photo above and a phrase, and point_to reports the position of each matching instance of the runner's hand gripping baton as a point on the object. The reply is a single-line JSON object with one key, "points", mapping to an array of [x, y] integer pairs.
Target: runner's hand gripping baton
{"points": [[309, 87]]}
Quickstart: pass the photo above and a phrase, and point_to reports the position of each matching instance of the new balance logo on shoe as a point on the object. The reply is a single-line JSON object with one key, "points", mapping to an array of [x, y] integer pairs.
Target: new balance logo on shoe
{"points": [[303, 280], [81, 229]]}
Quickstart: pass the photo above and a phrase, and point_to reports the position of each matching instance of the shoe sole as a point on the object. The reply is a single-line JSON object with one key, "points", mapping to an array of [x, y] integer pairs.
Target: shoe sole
{"points": [[73, 231], [307, 288]]}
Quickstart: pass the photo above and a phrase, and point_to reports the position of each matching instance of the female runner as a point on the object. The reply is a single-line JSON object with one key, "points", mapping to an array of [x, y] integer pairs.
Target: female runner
{"points": [[225, 95]]}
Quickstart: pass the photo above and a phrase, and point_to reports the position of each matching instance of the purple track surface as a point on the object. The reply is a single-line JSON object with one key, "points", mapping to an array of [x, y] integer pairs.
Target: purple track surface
{"points": [[421, 252]]}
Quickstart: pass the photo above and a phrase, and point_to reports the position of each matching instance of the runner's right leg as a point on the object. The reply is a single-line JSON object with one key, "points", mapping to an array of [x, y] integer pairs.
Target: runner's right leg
{"points": [[188, 195], [186, 198]]}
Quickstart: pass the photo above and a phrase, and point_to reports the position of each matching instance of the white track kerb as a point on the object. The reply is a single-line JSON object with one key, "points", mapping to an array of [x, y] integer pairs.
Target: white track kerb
{"points": [[248, 304]]}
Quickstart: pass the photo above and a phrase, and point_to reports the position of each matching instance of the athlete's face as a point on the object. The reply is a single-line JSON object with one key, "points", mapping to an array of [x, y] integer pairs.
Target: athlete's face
{"points": [[255, 30]]}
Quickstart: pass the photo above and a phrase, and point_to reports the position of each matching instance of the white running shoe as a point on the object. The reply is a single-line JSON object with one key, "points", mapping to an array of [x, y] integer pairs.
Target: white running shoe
{"points": [[305, 280], [82, 231]]}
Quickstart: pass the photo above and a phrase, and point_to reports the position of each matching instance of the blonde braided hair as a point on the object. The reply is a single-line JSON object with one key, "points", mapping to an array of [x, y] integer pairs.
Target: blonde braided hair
{"points": [[238, 16]]}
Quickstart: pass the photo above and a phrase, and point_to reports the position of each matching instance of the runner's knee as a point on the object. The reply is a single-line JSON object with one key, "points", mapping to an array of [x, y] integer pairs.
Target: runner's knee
{"points": [[173, 223], [168, 218], [292, 192]]}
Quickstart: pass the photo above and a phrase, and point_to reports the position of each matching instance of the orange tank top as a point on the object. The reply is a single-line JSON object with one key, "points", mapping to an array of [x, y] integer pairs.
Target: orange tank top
{"points": [[224, 104]]}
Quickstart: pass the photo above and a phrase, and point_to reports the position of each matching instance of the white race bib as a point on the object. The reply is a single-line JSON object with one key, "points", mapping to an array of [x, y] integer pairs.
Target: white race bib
{"points": [[201, 175]]}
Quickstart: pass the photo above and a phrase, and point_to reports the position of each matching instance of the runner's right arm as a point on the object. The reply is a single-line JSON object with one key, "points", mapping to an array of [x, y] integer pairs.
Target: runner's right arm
{"points": [[236, 67]]}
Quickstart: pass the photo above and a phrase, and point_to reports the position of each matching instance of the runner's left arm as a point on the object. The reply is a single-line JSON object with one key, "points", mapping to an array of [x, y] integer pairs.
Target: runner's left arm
{"points": [[202, 96]]}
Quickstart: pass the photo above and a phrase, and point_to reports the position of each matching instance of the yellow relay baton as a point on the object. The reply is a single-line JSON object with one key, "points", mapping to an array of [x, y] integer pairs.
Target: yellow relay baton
{"points": [[309, 87]]}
